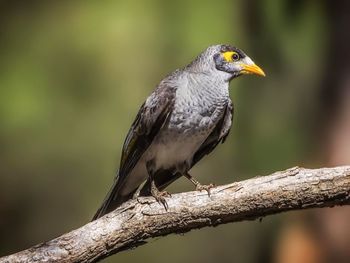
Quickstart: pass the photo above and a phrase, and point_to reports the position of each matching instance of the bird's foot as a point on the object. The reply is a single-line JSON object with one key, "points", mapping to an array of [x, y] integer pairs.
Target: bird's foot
{"points": [[201, 187], [160, 197]]}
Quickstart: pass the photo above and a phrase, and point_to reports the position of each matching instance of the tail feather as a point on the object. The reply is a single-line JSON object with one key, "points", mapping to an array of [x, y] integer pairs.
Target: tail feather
{"points": [[112, 201]]}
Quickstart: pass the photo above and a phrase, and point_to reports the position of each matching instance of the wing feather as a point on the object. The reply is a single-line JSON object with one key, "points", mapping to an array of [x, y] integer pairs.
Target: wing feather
{"points": [[152, 116]]}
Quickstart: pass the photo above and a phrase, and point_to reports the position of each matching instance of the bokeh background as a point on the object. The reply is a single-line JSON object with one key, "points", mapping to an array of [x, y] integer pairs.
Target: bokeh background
{"points": [[74, 73]]}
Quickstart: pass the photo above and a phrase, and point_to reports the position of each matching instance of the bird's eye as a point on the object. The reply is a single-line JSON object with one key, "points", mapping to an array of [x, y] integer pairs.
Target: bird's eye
{"points": [[235, 56]]}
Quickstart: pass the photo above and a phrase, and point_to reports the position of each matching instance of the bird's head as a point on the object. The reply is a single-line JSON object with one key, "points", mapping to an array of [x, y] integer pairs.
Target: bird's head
{"points": [[227, 60]]}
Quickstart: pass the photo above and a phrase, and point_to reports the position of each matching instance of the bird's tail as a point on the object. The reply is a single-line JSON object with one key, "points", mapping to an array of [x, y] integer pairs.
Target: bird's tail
{"points": [[112, 201]]}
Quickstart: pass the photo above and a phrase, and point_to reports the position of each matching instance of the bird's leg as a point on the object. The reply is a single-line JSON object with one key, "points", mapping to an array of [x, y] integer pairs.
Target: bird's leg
{"points": [[158, 195], [199, 186]]}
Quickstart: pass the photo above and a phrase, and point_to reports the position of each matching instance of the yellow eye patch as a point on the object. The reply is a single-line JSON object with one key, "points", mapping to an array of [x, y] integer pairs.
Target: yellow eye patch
{"points": [[228, 55]]}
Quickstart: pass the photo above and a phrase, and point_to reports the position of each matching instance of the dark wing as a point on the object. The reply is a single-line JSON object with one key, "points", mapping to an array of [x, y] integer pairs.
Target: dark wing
{"points": [[219, 134], [151, 117], [153, 114]]}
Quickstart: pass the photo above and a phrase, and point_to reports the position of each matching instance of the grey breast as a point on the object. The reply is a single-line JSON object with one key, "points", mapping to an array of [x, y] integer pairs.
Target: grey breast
{"points": [[200, 103]]}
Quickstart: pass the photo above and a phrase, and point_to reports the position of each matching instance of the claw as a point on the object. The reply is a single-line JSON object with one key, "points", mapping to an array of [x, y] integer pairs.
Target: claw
{"points": [[200, 187], [160, 199], [159, 196]]}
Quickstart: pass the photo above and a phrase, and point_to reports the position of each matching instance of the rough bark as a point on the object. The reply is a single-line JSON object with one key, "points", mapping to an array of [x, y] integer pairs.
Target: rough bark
{"points": [[136, 221]]}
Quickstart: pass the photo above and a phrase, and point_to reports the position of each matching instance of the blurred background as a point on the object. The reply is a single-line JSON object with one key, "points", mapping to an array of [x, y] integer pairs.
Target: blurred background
{"points": [[74, 73]]}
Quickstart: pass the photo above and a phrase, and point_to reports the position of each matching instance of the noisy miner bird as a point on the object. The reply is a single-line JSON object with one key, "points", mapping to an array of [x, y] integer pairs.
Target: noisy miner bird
{"points": [[185, 118]]}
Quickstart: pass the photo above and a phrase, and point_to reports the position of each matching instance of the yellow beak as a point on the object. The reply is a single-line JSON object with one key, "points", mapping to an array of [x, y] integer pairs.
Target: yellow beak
{"points": [[253, 69]]}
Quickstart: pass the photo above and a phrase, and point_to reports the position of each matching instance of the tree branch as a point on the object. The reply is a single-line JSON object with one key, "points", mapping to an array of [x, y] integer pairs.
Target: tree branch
{"points": [[136, 221]]}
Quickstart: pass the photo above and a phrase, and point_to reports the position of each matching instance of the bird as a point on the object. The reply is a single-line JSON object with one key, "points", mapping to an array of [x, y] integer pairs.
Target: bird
{"points": [[185, 117]]}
